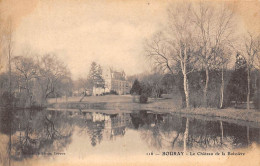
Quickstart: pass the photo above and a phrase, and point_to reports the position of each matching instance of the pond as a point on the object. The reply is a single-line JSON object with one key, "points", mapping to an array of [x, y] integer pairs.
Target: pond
{"points": [[50, 135]]}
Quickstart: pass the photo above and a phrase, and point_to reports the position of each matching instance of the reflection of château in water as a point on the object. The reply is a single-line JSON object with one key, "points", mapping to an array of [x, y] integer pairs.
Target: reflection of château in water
{"points": [[106, 126], [116, 125], [165, 131]]}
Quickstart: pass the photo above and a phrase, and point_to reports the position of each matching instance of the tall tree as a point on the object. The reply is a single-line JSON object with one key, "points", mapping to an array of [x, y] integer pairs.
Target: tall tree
{"points": [[178, 48], [250, 51], [95, 76], [222, 55], [100, 82], [222, 62], [8, 48], [92, 74], [214, 27], [26, 70], [51, 70], [237, 85], [136, 88]]}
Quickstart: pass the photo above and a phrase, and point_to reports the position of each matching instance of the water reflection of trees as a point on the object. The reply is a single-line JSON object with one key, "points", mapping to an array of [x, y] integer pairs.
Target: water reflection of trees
{"points": [[6, 117], [34, 132], [90, 126], [204, 134], [166, 131], [95, 131], [30, 131], [158, 130], [222, 135]]}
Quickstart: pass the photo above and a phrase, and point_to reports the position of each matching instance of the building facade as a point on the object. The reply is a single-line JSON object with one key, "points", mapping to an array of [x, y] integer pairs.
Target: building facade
{"points": [[115, 81]]}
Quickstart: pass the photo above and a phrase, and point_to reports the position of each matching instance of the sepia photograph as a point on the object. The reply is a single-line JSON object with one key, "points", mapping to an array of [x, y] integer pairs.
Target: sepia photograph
{"points": [[129, 82]]}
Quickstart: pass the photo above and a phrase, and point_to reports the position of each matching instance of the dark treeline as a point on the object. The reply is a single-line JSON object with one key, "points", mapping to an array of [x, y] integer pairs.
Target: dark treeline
{"points": [[235, 87]]}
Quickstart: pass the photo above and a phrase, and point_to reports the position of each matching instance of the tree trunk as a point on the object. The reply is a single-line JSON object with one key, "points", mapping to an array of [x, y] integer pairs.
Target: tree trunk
{"points": [[222, 88], [248, 89], [56, 97], [185, 79], [82, 97], [206, 88], [186, 90], [28, 93], [10, 70]]}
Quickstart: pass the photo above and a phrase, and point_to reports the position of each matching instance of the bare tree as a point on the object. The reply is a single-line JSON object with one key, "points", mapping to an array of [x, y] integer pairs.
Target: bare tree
{"points": [[214, 27], [154, 80], [250, 51], [8, 48], [1, 41], [51, 71], [224, 59], [257, 60], [85, 84], [26, 70], [178, 49], [197, 32], [222, 54]]}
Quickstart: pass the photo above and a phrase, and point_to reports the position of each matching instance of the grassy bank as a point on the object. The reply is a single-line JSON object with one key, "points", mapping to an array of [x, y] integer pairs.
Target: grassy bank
{"points": [[163, 105]]}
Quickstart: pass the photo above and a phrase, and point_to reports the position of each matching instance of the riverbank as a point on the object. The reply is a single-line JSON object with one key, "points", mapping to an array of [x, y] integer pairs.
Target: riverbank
{"points": [[164, 105]]}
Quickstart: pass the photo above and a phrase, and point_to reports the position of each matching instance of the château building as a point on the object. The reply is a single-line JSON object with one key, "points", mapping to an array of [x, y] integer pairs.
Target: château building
{"points": [[115, 81]]}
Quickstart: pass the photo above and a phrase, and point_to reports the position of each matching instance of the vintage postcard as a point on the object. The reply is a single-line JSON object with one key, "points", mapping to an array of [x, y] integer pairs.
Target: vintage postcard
{"points": [[129, 82]]}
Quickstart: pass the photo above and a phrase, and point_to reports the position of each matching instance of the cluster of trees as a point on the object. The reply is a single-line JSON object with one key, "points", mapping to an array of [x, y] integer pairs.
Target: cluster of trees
{"points": [[197, 45], [152, 85], [140, 89], [34, 80], [94, 79], [239, 89]]}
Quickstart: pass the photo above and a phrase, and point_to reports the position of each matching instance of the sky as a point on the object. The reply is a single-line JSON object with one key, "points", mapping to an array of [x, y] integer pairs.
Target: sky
{"points": [[111, 32]]}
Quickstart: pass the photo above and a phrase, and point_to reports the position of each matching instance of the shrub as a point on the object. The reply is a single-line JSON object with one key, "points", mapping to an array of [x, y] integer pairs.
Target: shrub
{"points": [[113, 92], [143, 98], [136, 88], [7, 99]]}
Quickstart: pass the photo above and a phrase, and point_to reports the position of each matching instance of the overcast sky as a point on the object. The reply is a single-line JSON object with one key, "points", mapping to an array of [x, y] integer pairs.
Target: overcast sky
{"points": [[109, 32], [112, 33]]}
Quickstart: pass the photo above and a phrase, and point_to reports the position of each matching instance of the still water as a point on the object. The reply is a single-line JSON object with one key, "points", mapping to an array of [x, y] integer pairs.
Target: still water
{"points": [[51, 134]]}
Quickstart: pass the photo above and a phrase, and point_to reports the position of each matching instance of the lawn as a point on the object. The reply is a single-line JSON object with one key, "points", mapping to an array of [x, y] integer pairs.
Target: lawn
{"points": [[164, 105], [95, 99]]}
